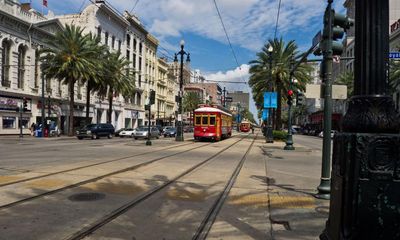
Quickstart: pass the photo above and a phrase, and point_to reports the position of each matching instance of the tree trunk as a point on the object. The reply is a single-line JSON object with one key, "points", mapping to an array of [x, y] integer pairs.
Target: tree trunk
{"points": [[88, 102], [109, 113], [278, 119], [71, 108]]}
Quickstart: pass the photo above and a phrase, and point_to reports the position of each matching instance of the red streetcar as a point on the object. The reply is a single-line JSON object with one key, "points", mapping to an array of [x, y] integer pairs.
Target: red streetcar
{"points": [[244, 126], [212, 122]]}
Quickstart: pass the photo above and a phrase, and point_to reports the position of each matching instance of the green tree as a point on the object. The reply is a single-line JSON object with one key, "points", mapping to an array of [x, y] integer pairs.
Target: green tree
{"points": [[245, 113], [394, 76], [191, 101], [118, 79], [347, 78], [272, 70], [96, 80], [69, 58]]}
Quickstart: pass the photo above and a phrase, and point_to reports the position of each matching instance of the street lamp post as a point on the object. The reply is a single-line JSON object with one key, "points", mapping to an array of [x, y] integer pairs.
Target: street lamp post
{"points": [[269, 132], [289, 141], [179, 129], [238, 116], [364, 202]]}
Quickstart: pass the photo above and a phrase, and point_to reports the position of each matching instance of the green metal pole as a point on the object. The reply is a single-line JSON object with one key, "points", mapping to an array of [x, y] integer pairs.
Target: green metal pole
{"points": [[324, 187], [148, 142]]}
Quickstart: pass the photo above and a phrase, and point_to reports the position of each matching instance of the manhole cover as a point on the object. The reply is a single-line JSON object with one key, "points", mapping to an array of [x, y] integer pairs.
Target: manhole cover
{"points": [[85, 197]]}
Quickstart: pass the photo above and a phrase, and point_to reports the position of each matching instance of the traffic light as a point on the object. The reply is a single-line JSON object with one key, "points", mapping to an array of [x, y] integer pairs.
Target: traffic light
{"points": [[289, 97], [152, 97], [340, 23], [25, 105], [300, 99]]}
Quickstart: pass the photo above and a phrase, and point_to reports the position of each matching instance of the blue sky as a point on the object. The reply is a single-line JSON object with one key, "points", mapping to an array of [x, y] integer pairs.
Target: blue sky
{"points": [[249, 23]]}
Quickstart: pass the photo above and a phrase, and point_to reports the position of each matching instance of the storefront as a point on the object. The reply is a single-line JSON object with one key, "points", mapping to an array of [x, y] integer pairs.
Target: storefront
{"points": [[10, 117]]}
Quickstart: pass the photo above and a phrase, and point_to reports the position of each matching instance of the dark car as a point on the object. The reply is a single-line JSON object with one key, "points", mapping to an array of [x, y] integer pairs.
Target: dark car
{"points": [[95, 131], [188, 129], [170, 132]]}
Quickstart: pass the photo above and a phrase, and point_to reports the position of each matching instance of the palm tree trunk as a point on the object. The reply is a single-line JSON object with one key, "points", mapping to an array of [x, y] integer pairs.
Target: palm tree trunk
{"points": [[278, 119], [88, 102], [110, 98], [71, 108]]}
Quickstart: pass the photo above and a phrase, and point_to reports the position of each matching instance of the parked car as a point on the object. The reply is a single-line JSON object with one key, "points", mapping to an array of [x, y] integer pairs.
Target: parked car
{"points": [[142, 132], [166, 128], [95, 131], [118, 131], [333, 132], [129, 132], [170, 132], [188, 129]]}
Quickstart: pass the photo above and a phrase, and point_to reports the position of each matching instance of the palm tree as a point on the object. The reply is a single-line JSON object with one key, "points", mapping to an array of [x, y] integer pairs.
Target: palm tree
{"points": [[69, 58], [272, 70], [347, 78], [118, 79], [191, 100]]}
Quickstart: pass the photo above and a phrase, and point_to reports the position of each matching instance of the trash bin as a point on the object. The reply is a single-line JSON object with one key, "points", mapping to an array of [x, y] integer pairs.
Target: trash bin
{"points": [[39, 132], [46, 132]]}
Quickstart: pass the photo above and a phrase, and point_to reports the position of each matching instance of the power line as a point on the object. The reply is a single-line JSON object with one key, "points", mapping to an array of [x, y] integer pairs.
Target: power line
{"points": [[226, 33], [277, 18], [134, 5]]}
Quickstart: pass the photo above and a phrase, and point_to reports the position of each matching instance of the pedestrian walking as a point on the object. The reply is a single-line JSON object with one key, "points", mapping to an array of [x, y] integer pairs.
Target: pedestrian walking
{"points": [[33, 128]]}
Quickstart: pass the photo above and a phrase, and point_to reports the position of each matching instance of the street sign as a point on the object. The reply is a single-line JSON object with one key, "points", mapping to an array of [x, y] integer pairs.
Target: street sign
{"points": [[228, 99], [314, 91], [394, 55], [270, 100], [317, 39], [265, 114]]}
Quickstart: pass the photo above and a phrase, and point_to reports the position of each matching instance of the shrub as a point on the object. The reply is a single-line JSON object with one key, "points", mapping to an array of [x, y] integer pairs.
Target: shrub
{"points": [[280, 135]]}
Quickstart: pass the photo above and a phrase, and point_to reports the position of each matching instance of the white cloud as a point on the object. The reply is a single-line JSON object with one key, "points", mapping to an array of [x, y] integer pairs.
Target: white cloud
{"points": [[239, 74], [249, 22]]}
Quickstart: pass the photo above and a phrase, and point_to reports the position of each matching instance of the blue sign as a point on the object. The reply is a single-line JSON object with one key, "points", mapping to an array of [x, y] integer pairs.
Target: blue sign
{"points": [[267, 99], [395, 55], [274, 100], [270, 100], [265, 114]]}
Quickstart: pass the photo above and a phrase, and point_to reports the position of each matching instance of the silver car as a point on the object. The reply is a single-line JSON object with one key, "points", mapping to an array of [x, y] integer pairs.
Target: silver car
{"points": [[142, 132]]}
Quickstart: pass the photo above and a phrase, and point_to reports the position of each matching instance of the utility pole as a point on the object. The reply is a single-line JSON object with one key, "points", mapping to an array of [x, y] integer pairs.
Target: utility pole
{"points": [[224, 102], [289, 141], [364, 201]]}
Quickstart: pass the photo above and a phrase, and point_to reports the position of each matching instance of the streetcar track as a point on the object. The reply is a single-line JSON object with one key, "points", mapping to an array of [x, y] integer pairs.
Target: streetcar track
{"points": [[126, 207], [212, 214], [87, 166], [134, 167]]}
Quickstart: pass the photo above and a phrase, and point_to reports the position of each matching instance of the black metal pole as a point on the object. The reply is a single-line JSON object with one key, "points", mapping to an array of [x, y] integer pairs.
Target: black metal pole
{"points": [[324, 187], [148, 142], [289, 141], [179, 132], [43, 103], [20, 121], [269, 130], [224, 102], [364, 200]]}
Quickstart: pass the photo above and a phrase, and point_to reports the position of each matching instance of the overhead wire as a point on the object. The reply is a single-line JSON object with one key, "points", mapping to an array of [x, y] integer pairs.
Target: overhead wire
{"points": [[277, 18], [134, 5]]}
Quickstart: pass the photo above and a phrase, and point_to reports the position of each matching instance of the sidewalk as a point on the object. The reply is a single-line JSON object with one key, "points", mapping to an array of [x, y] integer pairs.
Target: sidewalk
{"points": [[292, 179]]}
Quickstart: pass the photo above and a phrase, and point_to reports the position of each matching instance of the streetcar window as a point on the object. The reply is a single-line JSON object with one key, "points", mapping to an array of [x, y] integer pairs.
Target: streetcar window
{"points": [[204, 120], [212, 120], [198, 120]]}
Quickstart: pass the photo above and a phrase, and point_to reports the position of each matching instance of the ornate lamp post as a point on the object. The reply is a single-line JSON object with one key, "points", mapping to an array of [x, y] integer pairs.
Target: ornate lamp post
{"points": [[269, 133], [364, 200], [179, 129]]}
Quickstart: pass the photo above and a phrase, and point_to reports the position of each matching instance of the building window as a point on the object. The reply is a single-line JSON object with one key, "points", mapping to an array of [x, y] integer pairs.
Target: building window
{"points": [[128, 53], [8, 122], [5, 61], [139, 99], [134, 60], [21, 66], [112, 42], [140, 48], [128, 40], [119, 45], [134, 44], [36, 77], [140, 80], [99, 31], [106, 38]]}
